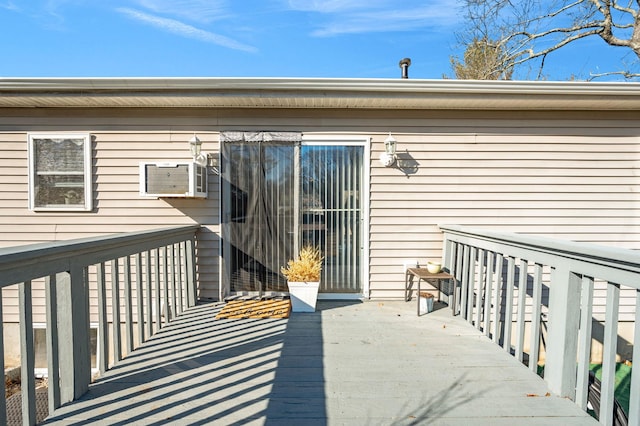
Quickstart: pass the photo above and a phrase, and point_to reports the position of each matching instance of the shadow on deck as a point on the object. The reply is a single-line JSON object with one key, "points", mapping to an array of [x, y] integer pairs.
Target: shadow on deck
{"points": [[348, 363]]}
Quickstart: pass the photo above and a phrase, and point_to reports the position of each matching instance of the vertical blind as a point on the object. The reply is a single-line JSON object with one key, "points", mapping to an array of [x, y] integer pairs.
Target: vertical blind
{"points": [[331, 179]]}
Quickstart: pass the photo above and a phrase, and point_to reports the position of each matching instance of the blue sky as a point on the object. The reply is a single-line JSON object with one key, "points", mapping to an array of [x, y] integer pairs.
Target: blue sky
{"points": [[243, 38]]}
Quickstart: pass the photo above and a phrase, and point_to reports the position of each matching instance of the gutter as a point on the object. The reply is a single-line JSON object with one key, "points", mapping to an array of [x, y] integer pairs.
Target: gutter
{"points": [[310, 93]]}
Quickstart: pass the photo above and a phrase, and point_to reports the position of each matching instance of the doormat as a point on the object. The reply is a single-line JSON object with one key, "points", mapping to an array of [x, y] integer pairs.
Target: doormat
{"points": [[240, 309]]}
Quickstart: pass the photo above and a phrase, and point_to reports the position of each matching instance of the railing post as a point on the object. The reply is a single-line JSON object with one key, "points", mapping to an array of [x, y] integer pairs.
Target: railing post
{"points": [[564, 320], [73, 316]]}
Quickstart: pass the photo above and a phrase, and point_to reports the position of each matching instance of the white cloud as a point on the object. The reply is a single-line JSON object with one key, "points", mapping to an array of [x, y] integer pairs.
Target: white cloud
{"points": [[9, 5], [194, 10], [332, 6], [358, 16], [185, 30]]}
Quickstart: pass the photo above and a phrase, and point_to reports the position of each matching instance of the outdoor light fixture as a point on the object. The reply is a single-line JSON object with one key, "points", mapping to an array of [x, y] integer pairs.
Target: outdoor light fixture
{"points": [[388, 158], [195, 145], [199, 157]]}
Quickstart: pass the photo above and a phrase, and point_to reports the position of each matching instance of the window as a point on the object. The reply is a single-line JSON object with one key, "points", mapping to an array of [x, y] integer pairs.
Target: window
{"points": [[60, 172]]}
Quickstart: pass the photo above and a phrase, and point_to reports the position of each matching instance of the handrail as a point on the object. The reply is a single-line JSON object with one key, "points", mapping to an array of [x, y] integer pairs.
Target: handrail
{"points": [[23, 263], [156, 268], [491, 266]]}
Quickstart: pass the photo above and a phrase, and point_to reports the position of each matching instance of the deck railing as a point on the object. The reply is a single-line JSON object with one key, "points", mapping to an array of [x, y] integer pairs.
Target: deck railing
{"points": [[501, 290], [160, 264]]}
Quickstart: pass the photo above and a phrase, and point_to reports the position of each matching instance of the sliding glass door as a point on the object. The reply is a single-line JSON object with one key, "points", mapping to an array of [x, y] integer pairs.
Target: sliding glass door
{"points": [[278, 195], [330, 187]]}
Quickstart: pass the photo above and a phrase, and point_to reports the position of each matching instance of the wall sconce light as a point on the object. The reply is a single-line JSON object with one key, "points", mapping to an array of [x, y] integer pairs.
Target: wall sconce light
{"points": [[199, 157], [388, 158]]}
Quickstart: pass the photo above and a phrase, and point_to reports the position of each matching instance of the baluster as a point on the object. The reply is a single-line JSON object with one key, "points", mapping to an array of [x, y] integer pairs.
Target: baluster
{"points": [[103, 322], [147, 258], [508, 312], [128, 303], [522, 304], [181, 247], [53, 361], [472, 283], [139, 298], [634, 396], [496, 299], [449, 253], [27, 354], [3, 401], [584, 341], [174, 307], [115, 310], [191, 272], [165, 276], [487, 294], [464, 282], [535, 318], [481, 289], [156, 301], [609, 354]]}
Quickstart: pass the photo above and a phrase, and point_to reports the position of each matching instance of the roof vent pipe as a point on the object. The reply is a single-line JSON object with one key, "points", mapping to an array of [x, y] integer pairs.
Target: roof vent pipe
{"points": [[404, 64]]}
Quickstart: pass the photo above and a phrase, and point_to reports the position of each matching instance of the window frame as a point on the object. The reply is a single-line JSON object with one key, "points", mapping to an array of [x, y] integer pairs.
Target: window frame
{"points": [[87, 173]]}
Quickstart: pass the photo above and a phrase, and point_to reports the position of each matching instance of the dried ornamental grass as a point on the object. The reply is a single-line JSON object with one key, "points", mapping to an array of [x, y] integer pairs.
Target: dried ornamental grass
{"points": [[306, 267]]}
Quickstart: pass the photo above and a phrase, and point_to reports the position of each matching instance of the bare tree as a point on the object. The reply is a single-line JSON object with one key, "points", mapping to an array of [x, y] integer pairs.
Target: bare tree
{"points": [[527, 31]]}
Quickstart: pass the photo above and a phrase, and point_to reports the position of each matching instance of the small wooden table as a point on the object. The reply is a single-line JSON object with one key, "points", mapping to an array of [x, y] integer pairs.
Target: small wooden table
{"points": [[424, 274]]}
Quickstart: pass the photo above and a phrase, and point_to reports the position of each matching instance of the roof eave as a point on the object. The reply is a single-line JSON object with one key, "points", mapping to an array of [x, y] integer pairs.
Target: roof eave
{"points": [[317, 93]]}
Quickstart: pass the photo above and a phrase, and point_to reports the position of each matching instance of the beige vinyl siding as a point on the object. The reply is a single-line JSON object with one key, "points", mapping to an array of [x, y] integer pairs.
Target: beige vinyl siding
{"points": [[118, 207], [566, 174], [579, 184]]}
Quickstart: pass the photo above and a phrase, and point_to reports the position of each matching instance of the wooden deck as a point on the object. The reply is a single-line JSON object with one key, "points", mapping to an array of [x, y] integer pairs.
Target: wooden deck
{"points": [[349, 363]]}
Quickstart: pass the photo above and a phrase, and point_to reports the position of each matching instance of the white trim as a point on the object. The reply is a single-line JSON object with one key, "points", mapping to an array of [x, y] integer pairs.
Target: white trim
{"points": [[340, 296], [348, 140], [87, 172], [343, 140], [365, 142]]}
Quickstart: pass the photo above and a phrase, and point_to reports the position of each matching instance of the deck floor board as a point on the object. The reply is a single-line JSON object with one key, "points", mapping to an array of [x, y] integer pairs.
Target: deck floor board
{"points": [[348, 363]]}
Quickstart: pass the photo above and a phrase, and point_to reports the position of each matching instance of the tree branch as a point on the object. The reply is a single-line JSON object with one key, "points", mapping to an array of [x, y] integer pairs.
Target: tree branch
{"points": [[625, 74], [528, 30]]}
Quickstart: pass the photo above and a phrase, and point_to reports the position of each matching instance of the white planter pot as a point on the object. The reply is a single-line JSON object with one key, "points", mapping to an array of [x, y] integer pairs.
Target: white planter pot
{"points": [[303, 295]]}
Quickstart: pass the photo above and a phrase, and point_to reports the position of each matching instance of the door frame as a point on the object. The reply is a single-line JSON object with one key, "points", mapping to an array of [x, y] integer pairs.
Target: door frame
{"points": [[323, 140]]}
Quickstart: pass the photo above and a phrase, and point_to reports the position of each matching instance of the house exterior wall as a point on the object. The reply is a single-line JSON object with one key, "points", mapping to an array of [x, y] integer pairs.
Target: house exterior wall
{"points": [[568, 175]]}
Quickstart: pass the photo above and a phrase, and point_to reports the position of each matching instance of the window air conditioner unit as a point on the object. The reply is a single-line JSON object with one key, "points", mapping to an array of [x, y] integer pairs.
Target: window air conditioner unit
{"points": [[187, 180]]}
